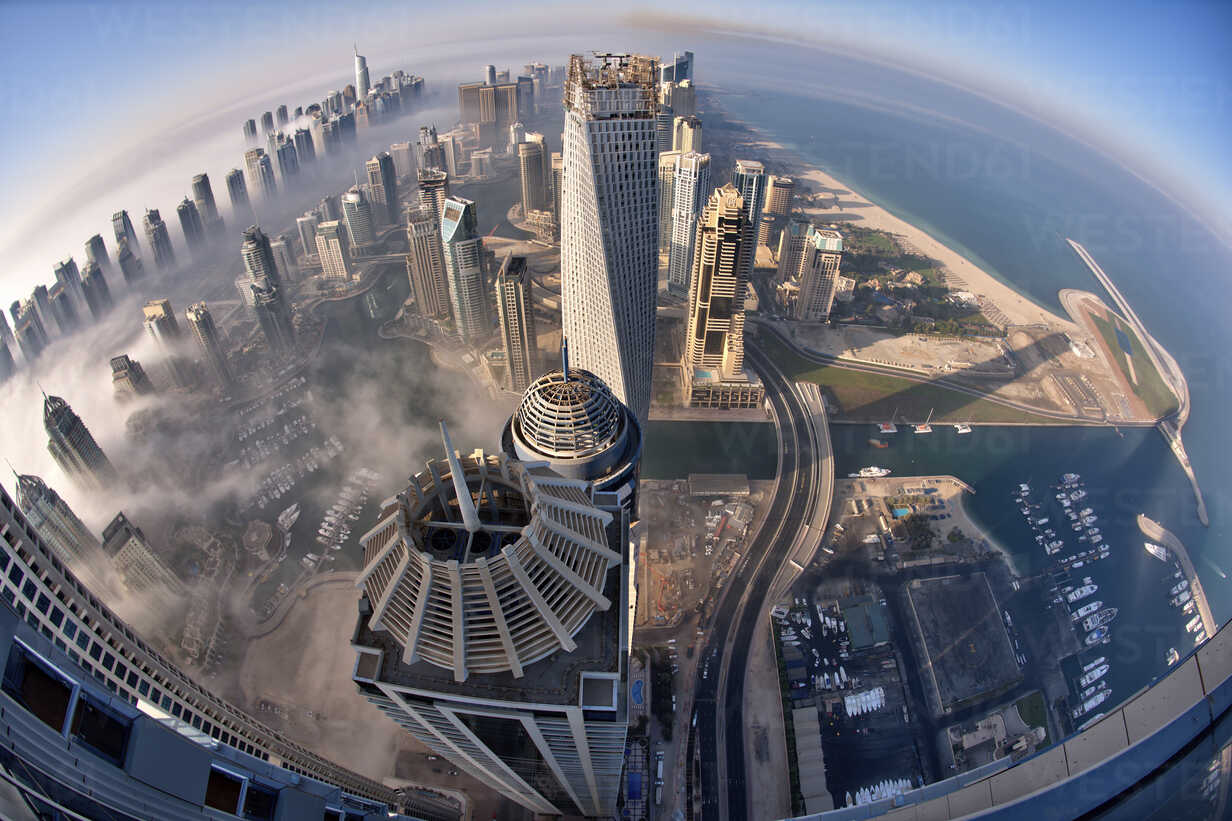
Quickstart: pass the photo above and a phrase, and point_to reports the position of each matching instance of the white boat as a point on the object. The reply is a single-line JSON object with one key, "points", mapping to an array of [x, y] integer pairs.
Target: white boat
{"points": [[1081, 593], [1099, 619], [961, 428], [1173, 657], [1199, 638], [1158, 551], [887, 427], [1096, 636], [1090, 704], [288, 517], [1091, 665], [1024, 487], [1181, 599], [1086, 511], [1193, 625], [870, 473], [926, 427], [1078, 494], [1094, 688], [1093, 676], [1070, 478], [1086, 610], [1179, 587]]}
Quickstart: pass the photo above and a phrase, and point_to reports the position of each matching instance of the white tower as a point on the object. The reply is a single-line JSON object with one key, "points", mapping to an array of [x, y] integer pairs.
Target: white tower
{"points": [[362, 85], [689, 191], [609, 221]]}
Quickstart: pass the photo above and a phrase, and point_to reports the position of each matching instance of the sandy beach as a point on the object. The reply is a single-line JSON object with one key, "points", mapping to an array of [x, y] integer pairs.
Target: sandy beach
{"points": [[961, 273]]}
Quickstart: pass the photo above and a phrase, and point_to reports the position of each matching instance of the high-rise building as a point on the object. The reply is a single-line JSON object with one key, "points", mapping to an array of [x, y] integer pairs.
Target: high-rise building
{"points": [[250, 132], [191, 224], [237, 190], [306, 226], [517, 136], [690, 188], [330, 207], [383, 182], [8, 364], [749, 178], [433, 190], [74, 449], [609, 253], [362, 84], [96, 251], [96, 728], [62, 529], [425, 264], [123, 228], [258, 256], [713, 362], [404, 158], [63, 312], [260, 171], [357, 211], [516, 308], [128, 379], [287, 268], [160, 324], [534, 187], [207, 208], [201, 322], [135, 559], [791, 247], [679, 98], [664, 130], [40, 305], [280, 115], [98, 295], [274, 317], [464, 268], [159, 237], [558, 186], [779, 192], [131, 266], [305, 151], [334, 250], [687, 134], [524, 690], [6, 333], [66, 274], [267, 122], [818, 273], [31, 339], [288, 160], [489, 74]]}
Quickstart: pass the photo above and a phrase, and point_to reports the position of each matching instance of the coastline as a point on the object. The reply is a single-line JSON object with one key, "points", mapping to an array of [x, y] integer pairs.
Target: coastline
{"points": [[960, 272]]}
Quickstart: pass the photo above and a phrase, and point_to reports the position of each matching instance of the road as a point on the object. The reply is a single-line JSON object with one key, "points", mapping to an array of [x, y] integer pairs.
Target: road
{"points": [[737, 614]]}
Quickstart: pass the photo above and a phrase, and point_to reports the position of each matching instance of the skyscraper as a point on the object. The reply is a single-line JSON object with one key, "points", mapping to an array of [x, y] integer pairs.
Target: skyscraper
{"points": [[818, 273], [8, 364], [62, 309], [428, 149], [357, 211], [404, 158], [250, 131], [160, 240], [96, 251], [6, 333], [74, 449], [362, 85], [191, 224], [525, 691], [66, 274], [724, 252], [123, 228], [690, 187], [288, 160], [558, 186], [791, 247], [131, 266], [433, 190], [779, 191], [680, 98], [160, 324], [306, 226], [260, 171], [283, 256], [678, 70], [334, 250], [128, 379], [687, 134], [137, 562], [237, 190], [304, 148], [62, 529], [534, 185], [667, 197], [516, 308], [383, 182], [40, 305], [258, 256], [267, 122], [274, 317], [749, 179], [207, 208], [202, 325], [97, 294], [464, 260], [425, 264], [280, 115], [609, 222]]}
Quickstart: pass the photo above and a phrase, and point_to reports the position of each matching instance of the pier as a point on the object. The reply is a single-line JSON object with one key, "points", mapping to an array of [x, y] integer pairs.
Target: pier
{"points": [[1169, 371], [1154, 531]]}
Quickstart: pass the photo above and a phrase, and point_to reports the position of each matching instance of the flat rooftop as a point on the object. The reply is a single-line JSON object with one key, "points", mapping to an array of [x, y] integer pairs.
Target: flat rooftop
{"points": [[718, 484]]}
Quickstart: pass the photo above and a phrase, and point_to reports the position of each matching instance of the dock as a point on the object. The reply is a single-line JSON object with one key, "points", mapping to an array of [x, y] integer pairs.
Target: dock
{"points": [[1168, 369], [1154, 531]]}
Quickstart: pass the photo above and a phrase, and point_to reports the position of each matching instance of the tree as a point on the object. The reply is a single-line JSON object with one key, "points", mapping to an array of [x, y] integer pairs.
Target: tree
{"points": [[919, 532]]}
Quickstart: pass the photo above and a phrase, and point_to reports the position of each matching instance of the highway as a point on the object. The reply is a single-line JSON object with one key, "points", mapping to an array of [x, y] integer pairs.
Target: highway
{"points": [[736, 618]]}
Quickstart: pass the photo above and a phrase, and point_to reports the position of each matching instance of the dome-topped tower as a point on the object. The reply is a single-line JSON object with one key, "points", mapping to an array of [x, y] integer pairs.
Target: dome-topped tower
{"points": [[570, 419]]}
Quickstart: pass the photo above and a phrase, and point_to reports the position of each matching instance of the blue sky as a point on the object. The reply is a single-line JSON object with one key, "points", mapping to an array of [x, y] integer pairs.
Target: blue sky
{"points": [[92, 85]]}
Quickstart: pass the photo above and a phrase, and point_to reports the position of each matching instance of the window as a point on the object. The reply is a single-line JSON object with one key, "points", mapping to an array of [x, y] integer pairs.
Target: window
{"points": [[40, 689], [259, 802], [101, 729], [222, 791]]}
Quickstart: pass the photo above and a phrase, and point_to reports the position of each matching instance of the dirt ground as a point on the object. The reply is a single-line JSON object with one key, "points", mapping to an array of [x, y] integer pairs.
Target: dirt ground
{"points": [[766, 747]]}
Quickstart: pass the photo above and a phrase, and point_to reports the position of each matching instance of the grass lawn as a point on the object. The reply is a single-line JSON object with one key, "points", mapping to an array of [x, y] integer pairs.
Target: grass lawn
{"points": [[1151, 388], [874, 397], [1033, 712]]}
